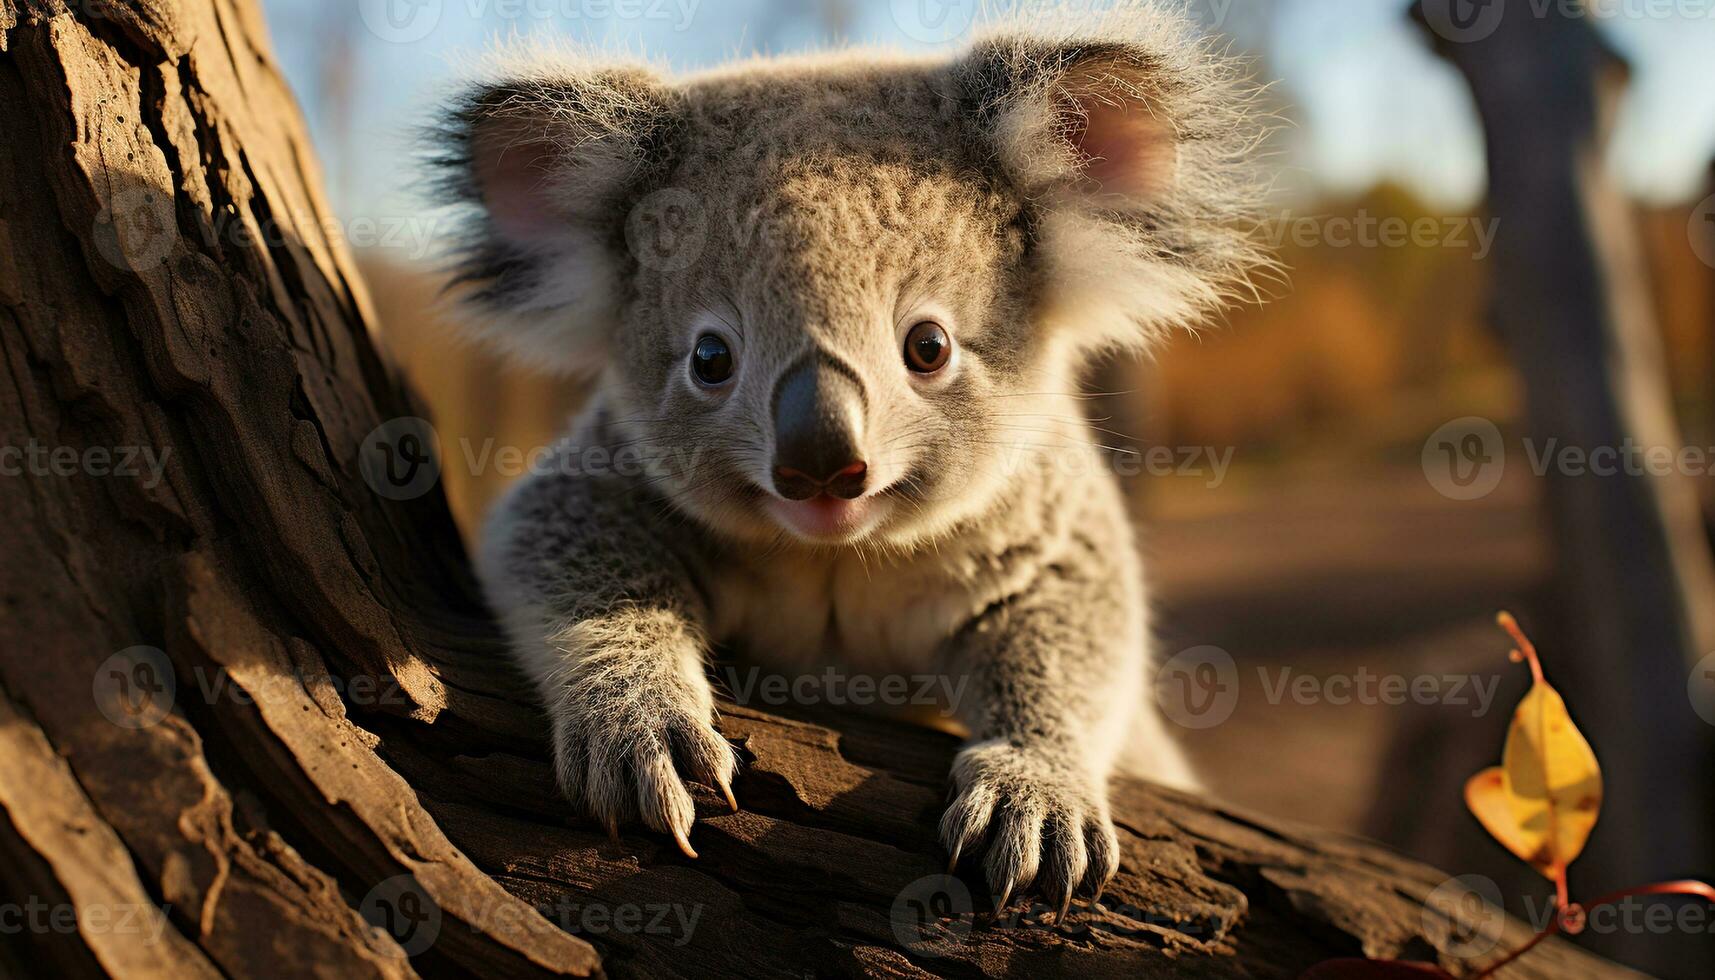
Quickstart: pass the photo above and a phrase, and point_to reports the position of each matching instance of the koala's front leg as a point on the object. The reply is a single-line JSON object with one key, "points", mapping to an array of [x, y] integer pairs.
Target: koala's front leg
{"points": [[604, 618], [1053, 681]]}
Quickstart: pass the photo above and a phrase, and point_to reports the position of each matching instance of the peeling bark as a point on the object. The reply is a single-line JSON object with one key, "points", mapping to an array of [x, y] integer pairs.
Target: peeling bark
{"points": [[342, 737]]}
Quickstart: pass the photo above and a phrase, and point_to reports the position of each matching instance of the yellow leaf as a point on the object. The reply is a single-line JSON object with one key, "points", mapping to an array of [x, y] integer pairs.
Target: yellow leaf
{"points": [[1487, 801], [1543, 801], [1553, 785]]}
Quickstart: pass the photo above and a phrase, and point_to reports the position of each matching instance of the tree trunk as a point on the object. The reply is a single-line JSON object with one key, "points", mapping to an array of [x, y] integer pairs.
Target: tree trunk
{"points": [[1634, 582], [251, 707]]}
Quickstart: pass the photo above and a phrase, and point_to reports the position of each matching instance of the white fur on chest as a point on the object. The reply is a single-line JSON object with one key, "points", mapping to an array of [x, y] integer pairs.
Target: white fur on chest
{"points": [[874, 613]]}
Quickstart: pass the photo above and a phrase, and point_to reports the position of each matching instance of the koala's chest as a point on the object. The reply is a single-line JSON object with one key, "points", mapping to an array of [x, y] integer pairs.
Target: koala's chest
{"points": [[878, 616]]}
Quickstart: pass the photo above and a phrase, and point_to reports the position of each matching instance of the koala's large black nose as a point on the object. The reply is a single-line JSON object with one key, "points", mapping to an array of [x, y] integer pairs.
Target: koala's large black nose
{"points": [[818, 410]]}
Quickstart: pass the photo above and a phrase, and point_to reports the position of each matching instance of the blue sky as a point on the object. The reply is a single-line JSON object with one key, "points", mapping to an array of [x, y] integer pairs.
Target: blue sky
{"points": [[1368, 100]]}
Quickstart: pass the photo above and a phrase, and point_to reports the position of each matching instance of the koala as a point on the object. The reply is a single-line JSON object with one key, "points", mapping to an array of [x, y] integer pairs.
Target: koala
{"points": [[835, 309]]}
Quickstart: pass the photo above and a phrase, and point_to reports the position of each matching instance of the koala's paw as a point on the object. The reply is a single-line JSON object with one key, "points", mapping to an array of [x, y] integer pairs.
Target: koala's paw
{"points": [[1045, 818], [629, 756]]}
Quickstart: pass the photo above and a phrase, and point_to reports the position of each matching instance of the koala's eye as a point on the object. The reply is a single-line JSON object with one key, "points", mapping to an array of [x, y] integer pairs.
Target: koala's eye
{"points": [[711, 361], [927, 348]]}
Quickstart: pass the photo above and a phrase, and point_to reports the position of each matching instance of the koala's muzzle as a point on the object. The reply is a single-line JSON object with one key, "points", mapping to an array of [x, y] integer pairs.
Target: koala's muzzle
{"points": [[818, 409]]}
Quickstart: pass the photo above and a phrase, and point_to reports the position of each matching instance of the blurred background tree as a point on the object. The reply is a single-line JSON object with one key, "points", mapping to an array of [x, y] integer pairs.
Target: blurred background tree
{"points": [[1628, 600]]}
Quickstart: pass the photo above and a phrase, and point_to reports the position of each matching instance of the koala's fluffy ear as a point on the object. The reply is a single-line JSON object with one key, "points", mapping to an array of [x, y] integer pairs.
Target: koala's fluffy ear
{"points": [[1137, 146], [549, 157]]}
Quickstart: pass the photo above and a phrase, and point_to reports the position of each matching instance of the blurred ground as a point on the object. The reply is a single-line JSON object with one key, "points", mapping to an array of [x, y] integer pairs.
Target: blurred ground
{"points": [[1327, 571]]}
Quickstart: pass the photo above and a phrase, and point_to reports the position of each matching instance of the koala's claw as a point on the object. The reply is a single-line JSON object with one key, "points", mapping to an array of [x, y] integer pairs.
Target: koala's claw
{"points": [[684, 843], [615, 769], [1045, 821]]}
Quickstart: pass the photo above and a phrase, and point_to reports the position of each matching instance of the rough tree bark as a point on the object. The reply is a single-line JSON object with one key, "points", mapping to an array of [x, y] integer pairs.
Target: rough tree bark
{"points": [[250, 702]]}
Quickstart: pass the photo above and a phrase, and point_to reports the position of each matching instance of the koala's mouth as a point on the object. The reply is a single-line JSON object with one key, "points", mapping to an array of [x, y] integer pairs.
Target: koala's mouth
{"points": [[824, 519]]}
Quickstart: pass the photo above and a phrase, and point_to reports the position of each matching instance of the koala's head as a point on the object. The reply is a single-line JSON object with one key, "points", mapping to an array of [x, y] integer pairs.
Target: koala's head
{"points": [[831, 295]]}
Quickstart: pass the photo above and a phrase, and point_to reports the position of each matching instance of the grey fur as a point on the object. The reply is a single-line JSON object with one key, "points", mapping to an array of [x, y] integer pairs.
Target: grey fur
{"points": [[862, 195]]}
